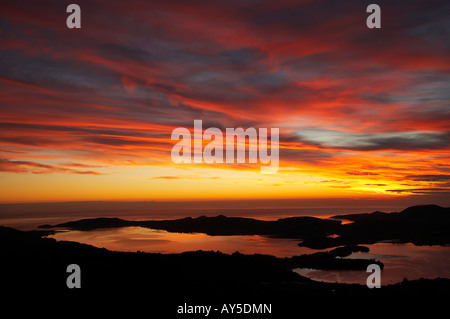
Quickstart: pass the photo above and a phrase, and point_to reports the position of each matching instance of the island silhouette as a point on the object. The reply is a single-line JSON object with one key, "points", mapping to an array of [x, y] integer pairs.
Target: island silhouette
{"points": [[33, 262], [420, 225]]}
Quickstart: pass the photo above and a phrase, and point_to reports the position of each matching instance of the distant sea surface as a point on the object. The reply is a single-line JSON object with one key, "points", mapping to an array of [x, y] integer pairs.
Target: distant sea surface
{"points": [[29, 216]]}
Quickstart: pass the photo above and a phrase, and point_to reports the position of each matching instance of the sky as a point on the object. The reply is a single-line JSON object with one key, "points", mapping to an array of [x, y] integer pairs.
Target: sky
{"points": [[87, 114]]}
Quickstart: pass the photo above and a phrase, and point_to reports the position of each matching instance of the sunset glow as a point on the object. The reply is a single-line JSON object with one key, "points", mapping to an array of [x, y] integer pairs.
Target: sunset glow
{"points": [[87, 114]]}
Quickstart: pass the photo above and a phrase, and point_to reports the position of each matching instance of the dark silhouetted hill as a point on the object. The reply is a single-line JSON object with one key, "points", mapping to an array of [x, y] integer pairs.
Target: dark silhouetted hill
{"points": [[295, 227], [420, 225]]}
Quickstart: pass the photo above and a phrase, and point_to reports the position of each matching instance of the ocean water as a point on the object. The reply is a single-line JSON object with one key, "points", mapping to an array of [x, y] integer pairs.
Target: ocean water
{"points": [[30, 216]]}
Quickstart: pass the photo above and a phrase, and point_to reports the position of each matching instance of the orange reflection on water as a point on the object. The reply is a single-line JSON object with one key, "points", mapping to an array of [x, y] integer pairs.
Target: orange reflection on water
{"points": [[160, 241], [400, 261]]}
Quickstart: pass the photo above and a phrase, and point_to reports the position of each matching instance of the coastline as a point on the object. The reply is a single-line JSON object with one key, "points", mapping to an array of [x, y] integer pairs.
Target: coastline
{"points": [[197, 274]]}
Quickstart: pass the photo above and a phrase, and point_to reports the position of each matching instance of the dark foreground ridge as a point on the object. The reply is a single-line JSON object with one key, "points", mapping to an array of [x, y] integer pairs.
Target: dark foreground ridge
{"points": [[33, 263], [420, 225]]}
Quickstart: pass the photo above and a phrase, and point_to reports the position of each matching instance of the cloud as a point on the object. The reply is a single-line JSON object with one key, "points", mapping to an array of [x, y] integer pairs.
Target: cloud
{"points": [[429, 178], [412, 140], [361, 173], [429, 190], [39, 168], [82, 165], [350, 103], [374, 184]]}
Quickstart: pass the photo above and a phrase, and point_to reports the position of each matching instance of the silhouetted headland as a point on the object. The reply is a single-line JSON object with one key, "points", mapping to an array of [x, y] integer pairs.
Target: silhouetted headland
{"points": [[420, 225]]}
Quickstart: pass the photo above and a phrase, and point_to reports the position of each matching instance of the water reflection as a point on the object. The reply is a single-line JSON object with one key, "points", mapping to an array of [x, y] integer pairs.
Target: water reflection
{"points": [[160, 241], [400, 260]]}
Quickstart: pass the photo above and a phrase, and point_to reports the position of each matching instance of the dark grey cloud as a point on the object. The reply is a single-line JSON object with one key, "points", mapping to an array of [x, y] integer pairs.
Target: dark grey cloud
{"points": [[429, 178], [413, 140], [77, 129], [427, 190]]}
